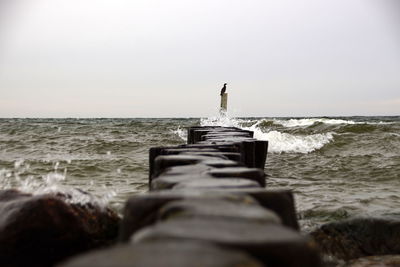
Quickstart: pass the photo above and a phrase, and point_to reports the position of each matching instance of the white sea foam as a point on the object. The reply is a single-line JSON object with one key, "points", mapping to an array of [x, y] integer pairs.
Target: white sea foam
{"points": [[310, 121], [51, 183], [227, 121], [181, 133], [283, 142], [224, 121], [278, 141]]}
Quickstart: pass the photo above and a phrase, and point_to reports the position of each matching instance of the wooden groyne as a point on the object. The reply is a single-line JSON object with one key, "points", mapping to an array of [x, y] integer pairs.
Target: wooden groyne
{"points": [[208, 206]]}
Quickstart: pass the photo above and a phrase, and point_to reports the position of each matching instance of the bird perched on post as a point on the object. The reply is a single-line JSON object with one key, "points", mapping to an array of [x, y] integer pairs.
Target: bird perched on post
{"points": [[223, 90]]}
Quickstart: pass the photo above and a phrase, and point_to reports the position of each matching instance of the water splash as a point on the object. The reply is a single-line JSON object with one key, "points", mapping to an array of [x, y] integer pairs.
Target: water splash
{"points": [[224, 121], [51, 183], [311, 121], [181, 133], [279, 142], [284, 142]]}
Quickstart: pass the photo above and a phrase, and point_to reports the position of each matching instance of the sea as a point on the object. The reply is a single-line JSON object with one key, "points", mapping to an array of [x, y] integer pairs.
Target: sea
{"points": [[337, 167]]}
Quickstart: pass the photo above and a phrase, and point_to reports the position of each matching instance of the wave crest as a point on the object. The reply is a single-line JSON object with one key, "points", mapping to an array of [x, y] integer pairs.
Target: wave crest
{"points": [[311, 121], [279, 142], [182, 134], [283, 142], [51, 183]]}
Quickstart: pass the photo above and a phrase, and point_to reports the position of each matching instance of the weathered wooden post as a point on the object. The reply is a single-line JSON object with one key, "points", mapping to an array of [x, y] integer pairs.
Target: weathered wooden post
{"points": [[224, 103]]}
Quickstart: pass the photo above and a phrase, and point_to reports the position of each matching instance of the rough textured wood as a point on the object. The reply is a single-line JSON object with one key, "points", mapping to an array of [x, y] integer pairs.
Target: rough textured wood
{"points": [[211, 183], [217, 208], [170, 253], [169, 181], [253, 174], [280, 201], [211, 190], [142, 210], [270, 243]]}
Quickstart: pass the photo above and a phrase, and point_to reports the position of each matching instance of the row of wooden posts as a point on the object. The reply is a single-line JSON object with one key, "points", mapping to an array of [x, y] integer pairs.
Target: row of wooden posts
{"points": [[209, 205], [210, 195]]}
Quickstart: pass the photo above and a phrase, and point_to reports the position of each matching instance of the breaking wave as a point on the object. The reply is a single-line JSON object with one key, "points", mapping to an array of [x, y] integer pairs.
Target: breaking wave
{"points": [[310, 121], [181, 133], [279, 142], [51, 183], [283, 142]]}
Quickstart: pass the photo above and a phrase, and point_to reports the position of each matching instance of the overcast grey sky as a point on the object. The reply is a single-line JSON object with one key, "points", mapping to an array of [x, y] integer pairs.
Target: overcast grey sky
{"points": [[169, 58]]}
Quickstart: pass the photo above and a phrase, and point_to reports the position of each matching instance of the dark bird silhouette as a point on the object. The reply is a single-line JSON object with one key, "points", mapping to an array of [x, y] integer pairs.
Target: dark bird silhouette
{"points": [[223, 90]]}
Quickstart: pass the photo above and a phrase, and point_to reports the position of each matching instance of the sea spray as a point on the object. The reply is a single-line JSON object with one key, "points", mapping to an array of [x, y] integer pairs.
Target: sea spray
{"points": [[356, 171], [279, 142], [50, 183], [284, 142], [181, 133], [310, 121], [329, 121]]}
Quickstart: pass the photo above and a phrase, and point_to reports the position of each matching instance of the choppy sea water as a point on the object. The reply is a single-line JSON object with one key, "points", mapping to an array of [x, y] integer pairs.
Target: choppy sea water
{"points": [[337, 167]]}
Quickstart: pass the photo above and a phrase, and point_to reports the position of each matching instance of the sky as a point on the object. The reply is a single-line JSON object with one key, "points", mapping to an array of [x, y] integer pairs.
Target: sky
{"points": [[170, 58]]}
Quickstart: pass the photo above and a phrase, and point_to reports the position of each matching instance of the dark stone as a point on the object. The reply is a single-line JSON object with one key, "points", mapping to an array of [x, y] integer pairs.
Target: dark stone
{"points": [[157, 254], [217, 208], [272, 244], [253, 174], [359, 237], [142, 210], [376, 261], [42, 230], [213, 183]]}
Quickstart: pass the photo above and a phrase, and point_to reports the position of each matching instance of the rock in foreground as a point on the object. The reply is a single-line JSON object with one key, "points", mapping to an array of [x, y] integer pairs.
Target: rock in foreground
{"points": [[376, 261], [44, 229], [360, 237]]}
